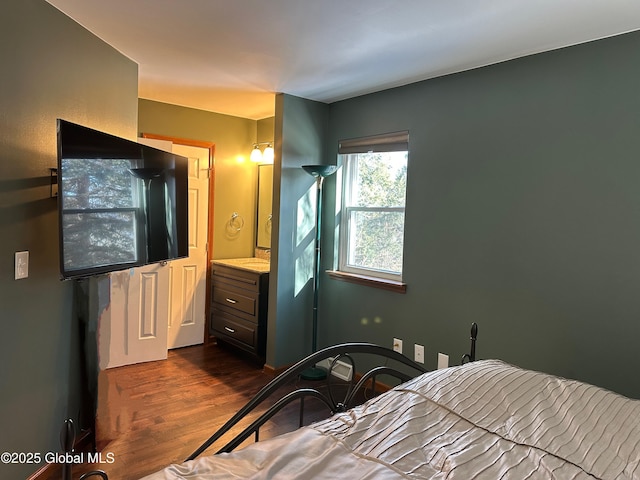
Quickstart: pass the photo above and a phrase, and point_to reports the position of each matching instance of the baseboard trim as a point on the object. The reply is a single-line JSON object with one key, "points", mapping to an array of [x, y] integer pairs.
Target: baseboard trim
{"points": [[84, 442], [273, 371], [380, 387], [42, 472]]}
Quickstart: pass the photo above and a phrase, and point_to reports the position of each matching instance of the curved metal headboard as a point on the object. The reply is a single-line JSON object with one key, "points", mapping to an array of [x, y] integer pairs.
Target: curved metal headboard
{"points": [[471, 356], [342, 351]]}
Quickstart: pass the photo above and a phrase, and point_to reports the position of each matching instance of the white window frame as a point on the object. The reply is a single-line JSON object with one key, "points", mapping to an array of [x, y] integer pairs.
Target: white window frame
{"points": [[348, 151]]}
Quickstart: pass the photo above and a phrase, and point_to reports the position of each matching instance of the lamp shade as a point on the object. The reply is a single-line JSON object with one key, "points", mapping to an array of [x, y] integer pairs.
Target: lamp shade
{"points": [[256, 154], [320, 170], [268, 154]]}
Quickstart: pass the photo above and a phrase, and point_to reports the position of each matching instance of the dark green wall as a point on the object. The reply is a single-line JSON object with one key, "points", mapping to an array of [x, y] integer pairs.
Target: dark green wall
{"points": [[51, 67], [523, 214], [300, 128]]}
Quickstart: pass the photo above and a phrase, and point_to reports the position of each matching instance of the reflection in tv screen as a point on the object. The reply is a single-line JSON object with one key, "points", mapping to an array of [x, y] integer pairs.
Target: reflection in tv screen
{"points": [[122, 204]]}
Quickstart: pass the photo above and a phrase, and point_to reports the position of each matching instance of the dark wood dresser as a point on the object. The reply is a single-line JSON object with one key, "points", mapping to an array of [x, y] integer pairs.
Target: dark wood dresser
{"points": [[239, 301]]}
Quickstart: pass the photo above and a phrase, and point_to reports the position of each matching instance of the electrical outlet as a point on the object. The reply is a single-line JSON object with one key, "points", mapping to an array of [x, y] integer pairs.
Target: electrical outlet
{"points": [[22, 265], [443, 361], [418, 353], [397, 345]]}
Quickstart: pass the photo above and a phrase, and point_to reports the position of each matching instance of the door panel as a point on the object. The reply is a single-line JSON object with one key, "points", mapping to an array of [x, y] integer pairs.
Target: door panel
{"points": [[188, 275], [134, 327], [162, 306], [136, 321], [147, 331]]}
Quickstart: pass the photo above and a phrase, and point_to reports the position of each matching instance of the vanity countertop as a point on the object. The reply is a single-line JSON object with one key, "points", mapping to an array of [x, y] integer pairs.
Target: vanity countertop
{"points": [[252, 264]]}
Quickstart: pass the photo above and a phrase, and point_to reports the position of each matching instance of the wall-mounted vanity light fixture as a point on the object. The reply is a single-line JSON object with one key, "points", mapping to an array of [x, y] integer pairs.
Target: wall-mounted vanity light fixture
{"points": [[259, 156]]}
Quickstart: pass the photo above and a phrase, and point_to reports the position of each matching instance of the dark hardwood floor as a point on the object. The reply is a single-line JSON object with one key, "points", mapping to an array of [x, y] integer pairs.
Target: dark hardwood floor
{"points": [[153, 414]]}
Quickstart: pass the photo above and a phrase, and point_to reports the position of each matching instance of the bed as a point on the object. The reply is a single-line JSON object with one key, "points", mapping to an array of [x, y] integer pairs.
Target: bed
{"points": [[482, 419]]}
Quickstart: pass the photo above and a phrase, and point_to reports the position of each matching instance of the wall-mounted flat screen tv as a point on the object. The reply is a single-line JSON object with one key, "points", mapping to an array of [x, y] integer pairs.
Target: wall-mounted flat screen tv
{"points": [[121, 204]]}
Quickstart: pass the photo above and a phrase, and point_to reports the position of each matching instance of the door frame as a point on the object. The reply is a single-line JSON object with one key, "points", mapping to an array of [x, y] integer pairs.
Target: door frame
{"points": [[211, 146]]}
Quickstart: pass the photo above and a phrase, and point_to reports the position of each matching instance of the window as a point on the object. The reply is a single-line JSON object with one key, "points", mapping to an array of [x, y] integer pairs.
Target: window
{"points": [[373, 205]]}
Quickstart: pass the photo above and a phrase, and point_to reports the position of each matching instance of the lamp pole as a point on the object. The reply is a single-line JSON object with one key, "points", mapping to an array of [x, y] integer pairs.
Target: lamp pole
{"points": [[320, 172]]}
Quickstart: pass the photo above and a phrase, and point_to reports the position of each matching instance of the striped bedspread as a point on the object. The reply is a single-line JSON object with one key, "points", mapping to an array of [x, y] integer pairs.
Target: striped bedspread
{"points": [[483, 420]]}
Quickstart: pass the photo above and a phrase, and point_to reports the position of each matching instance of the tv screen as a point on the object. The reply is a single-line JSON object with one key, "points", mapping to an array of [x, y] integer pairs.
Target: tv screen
{"points": [[121, 204]]}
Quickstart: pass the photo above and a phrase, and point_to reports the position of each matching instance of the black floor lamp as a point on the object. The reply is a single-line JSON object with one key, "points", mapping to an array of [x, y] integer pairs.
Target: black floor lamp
{"points": [[320, 172]]}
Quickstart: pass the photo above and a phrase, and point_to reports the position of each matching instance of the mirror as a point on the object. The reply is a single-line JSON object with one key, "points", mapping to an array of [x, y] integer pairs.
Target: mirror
{"points": [[265, 192]]}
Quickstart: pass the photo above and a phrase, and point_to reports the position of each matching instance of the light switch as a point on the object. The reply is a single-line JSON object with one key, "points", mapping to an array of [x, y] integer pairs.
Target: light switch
{"points": [[22, 265]]}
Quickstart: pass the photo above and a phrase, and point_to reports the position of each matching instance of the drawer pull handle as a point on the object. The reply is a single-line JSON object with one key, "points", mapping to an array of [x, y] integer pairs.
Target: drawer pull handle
{"points": [[231, 300], [230, 330]]}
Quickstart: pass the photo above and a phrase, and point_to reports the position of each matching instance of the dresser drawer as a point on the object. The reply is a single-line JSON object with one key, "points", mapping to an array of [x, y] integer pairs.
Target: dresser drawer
{"points": [[235, 277], [233, 328], [231, 299], [239, 304]]}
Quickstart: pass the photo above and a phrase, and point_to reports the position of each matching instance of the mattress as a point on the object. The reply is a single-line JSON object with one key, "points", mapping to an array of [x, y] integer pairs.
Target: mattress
{"points": [[483, 420]]}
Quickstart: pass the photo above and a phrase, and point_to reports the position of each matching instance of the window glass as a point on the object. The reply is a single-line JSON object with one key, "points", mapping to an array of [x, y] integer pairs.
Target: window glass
{"points": [[372, 231]]}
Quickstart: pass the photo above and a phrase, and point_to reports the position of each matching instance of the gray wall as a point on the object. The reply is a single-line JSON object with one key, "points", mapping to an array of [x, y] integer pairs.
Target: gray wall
{"points": [[523, 214], [51, 67]]}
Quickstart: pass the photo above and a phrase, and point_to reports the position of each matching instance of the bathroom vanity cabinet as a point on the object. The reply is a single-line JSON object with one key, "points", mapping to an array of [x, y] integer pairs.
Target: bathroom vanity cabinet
{"points": [[239, 300]]}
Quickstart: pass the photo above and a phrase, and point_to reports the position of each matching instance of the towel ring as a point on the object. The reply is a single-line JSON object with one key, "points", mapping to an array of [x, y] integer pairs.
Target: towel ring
{"points": [[236, 222]]}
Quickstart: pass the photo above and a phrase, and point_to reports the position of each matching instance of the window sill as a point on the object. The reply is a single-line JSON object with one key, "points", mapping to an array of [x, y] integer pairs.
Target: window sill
{"points": [[375, 282]]}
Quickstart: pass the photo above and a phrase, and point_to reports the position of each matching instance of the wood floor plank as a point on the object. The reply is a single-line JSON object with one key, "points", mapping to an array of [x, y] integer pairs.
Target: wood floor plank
{"points": [[158, 413]]}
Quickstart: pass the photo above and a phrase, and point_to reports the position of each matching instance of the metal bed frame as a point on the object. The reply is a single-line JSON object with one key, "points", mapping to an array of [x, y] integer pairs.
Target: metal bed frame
{"points": [[67, 441], [338, 353], [343, 353]]}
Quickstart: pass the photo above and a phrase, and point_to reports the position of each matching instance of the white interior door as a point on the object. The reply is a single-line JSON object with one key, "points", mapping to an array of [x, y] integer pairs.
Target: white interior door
{"points": [[188, 276], [134, 327], [157, 307], [145, 312], [138, 311]]}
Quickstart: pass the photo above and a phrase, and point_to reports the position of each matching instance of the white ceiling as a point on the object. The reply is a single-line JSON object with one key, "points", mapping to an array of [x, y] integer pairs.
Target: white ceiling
{"points": [[231, 56]]}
